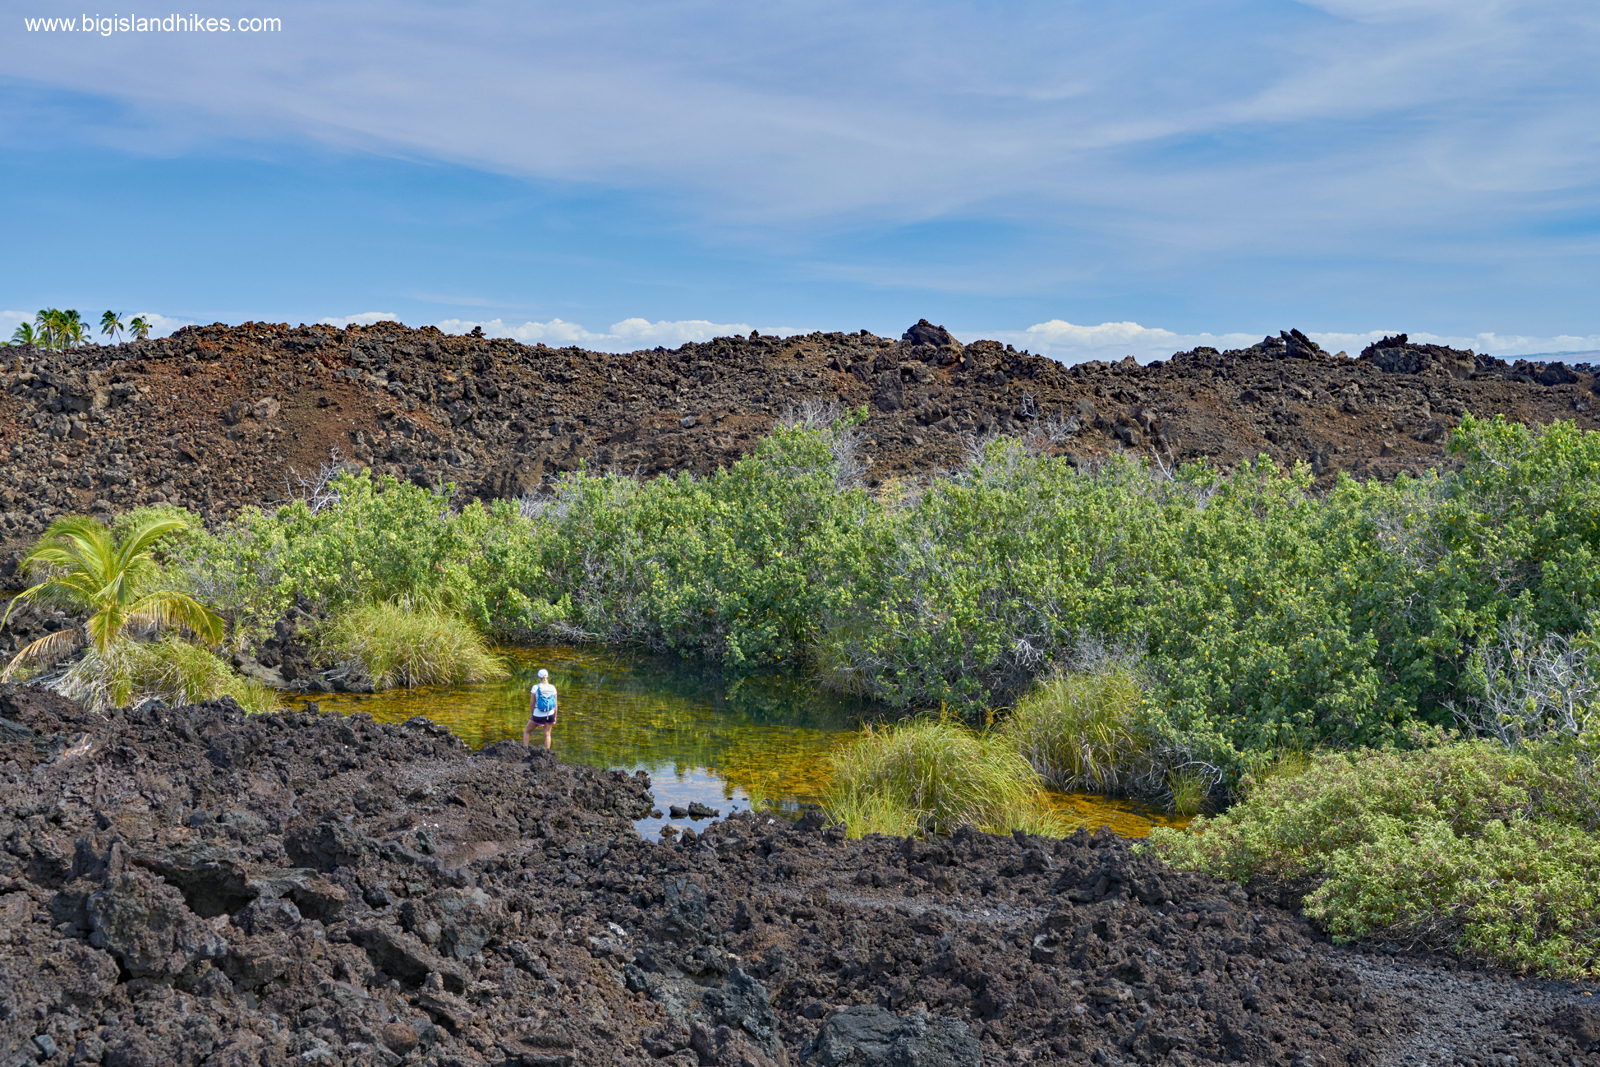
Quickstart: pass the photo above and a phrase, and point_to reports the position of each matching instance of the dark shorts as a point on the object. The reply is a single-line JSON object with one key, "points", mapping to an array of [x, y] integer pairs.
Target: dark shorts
{"points": [[540, 720]]}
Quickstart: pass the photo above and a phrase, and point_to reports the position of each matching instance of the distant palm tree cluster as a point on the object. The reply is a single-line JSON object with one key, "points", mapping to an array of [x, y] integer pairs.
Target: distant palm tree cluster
{"points": [[53, 329]]}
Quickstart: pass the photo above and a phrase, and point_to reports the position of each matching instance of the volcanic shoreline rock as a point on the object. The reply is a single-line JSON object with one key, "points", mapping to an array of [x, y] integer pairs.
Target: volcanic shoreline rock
{"points": [[193, 886], [220, 417]]}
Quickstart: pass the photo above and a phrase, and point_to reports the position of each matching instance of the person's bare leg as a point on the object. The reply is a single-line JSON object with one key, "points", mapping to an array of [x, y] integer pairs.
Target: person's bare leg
{"points": [[547, 737]]}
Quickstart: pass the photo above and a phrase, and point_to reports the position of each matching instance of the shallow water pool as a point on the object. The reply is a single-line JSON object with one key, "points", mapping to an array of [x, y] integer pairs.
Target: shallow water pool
{"points": [[758, 742]]}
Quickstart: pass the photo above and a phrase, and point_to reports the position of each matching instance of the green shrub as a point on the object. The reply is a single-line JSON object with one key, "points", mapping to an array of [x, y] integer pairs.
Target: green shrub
{"points": [[400, 645], [1083, 731], [1267, 618], [1467, 846], [932, 777], [171, 670]]}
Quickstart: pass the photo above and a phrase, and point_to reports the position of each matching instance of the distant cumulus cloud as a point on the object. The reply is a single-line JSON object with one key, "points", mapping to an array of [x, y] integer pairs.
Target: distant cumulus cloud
{"points": [[1072, 343], [365, 318], [1069, 343], [624, 336], [160, 325]]}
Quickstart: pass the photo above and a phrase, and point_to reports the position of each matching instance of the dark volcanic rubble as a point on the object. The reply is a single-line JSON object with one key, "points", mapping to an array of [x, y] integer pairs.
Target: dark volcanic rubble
{"points": [[220, 417], [189, 886]]}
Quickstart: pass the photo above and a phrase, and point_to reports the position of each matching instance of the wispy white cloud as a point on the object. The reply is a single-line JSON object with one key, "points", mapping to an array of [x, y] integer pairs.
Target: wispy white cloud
{"points": [[1070, 343], [363, 318], [907, 110]]}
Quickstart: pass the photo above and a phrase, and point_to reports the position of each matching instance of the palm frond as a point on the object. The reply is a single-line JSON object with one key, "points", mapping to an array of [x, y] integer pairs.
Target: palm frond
{"points": [[171, 608], [139, 540], [48, 649]]}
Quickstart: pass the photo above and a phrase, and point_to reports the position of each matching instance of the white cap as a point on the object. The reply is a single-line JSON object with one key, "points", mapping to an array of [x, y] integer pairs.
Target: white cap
{"points": [[543, 673]]}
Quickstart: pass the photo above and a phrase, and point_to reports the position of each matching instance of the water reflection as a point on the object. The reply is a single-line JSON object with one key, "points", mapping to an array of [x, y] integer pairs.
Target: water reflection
{"points": [[757, 742]]}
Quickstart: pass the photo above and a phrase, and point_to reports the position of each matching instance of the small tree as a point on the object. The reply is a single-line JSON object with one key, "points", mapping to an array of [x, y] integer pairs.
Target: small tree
{"points": [[111, 325], [82, 568], [139, 326], [24, 335]]}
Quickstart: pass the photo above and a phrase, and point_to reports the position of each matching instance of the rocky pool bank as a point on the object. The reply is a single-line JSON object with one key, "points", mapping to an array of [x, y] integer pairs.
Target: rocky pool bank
{"points": [[189, 885]]}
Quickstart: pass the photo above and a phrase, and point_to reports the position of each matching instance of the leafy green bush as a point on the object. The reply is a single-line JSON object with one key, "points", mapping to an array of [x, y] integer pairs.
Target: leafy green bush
{"points": [[739, 567], [1465, 845], [400, 645], [932, 777], [1268, 618], [171, 669], [378, 539]]}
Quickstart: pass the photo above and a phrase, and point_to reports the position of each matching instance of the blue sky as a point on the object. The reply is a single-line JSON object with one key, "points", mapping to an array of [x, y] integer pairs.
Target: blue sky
{"points": [[1082, 179]]}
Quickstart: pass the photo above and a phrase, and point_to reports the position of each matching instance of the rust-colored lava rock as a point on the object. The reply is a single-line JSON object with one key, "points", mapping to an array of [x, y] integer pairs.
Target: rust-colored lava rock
{"points": [[219, 417]]}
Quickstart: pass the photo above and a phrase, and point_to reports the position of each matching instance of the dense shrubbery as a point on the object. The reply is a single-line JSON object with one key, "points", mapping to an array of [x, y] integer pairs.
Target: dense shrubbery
{"points": [[1266, 618], [1467, 845]]}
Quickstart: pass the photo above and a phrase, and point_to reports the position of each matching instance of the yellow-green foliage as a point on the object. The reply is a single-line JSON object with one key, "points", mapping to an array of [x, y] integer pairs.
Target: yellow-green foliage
{"points": [[170, 669], [113, 578], [1466, 845], [401, 646], [1082, 730], [932, 777]]}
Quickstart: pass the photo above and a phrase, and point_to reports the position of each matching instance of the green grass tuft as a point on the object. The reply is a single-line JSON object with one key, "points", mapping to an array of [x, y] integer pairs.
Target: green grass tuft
{"points": [[932, 777], [401, 646], [170, 669], [1082, 730]]}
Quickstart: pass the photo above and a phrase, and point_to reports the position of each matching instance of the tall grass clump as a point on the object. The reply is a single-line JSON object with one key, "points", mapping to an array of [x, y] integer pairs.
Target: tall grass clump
{"points": [[401, 645], [1467, 846], [171, 670], [1082, 730], [933, 777]]}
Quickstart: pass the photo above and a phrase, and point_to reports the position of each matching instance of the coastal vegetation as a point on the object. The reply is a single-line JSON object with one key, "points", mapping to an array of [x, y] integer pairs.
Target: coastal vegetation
{"points": [[1391, 684], [112, 576], [1466, 845], [1256, 616]]}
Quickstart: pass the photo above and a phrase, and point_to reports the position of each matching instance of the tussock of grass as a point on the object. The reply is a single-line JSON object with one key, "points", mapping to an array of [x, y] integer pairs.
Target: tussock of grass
{"points": [[401, 646], [1190, 792], [1081, 730], [932, 777], [1466, 846], [170, 669]]}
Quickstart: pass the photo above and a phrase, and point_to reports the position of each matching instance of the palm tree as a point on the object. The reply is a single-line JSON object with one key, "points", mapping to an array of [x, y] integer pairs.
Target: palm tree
{"points": [[139, 326], [83, 568], [47, 324], [111, 325], [24, 335], [74, 331]]}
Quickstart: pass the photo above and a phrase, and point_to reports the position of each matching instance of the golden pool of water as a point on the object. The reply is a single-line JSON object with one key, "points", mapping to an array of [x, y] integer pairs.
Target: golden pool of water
{"points": [[756, 742]]}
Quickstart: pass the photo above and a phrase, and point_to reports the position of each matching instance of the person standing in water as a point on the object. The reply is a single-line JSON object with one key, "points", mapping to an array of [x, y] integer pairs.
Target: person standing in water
{"points": [[541, 708]]}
